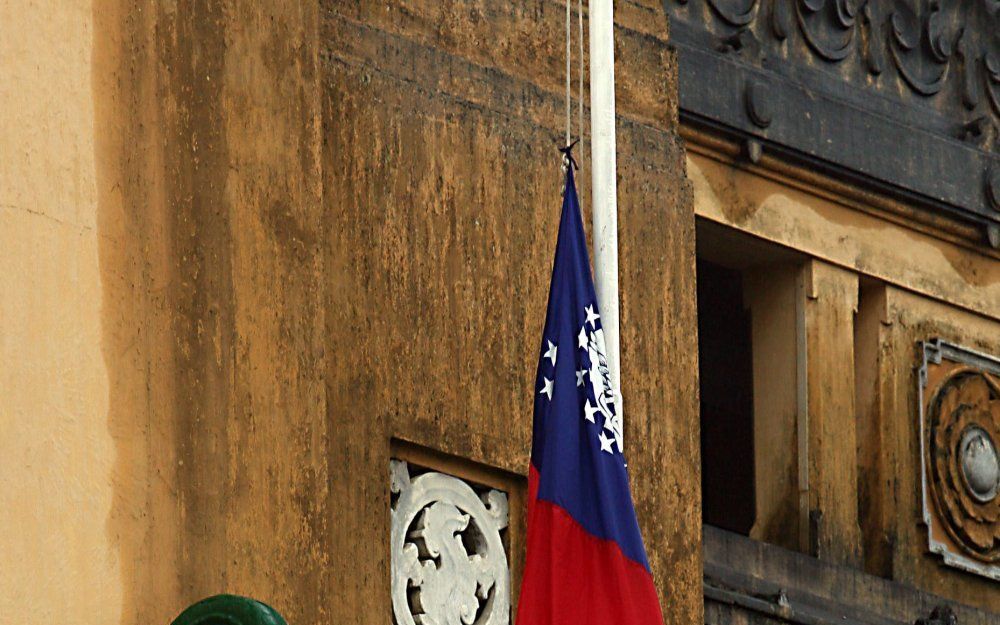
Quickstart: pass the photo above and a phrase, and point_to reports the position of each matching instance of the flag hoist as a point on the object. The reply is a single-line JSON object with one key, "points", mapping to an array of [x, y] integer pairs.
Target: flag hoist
{"points": [[586, 563]]}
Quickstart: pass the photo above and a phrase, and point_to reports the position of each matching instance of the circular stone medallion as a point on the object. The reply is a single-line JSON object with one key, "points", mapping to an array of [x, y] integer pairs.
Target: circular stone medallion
{"points": [[980, 465], [962, 428]]}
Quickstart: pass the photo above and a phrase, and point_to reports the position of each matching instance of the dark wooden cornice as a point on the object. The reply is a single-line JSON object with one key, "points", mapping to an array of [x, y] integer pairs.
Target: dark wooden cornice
{"points": [[900, 97]]}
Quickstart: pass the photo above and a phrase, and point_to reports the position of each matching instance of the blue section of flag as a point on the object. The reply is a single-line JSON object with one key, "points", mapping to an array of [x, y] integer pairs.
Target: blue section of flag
{"points": [[577, 431]]}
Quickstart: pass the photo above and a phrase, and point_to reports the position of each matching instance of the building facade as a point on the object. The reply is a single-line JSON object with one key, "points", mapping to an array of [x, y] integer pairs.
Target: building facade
{"points": [[273, 275]]}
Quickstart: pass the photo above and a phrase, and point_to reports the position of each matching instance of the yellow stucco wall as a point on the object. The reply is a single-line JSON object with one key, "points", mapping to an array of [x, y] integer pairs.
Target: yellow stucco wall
{"points": [[57, 562]]}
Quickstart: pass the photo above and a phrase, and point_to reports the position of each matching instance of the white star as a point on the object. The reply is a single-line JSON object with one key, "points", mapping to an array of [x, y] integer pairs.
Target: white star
{"points": [[610, 423], [551, 353], [591, 411], [592, 316], [606, 443], [547, 388], [582, 338], [579, 377]]}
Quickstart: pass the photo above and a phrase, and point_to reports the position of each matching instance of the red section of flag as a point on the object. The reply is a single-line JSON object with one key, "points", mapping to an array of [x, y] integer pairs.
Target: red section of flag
{"points": [[574, 578]]}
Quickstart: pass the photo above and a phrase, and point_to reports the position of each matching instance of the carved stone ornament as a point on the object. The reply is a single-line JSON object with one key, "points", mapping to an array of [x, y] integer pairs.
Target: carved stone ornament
{"points": [[940, 615], [449, 566], [902, 96], [960, 442]]}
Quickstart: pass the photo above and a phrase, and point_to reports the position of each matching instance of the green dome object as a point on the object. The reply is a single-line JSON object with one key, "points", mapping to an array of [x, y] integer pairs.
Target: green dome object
{"points": [[229, 610]]}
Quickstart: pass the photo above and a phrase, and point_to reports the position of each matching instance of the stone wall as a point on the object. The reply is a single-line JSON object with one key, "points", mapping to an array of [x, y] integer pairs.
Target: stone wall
{"points": [[320, 235], [441, 188], [209, 189], [907, 285]]}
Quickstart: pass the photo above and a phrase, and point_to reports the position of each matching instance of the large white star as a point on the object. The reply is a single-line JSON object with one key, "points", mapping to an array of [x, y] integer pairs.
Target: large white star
{"points": [[551, 353], [579, 376], [590, 412], [547, 387], [582, 337], [591, 316], [606, 443]]}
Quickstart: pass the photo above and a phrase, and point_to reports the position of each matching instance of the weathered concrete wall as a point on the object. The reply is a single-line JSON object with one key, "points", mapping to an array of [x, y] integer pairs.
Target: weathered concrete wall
{"points": [[908, 320], [57, 561], [211, 251], [441, 181], [245, 247], [776, 207], [914, 286]]}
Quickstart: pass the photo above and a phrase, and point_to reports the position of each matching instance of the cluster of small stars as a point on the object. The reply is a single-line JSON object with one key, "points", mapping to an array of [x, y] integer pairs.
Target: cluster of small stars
{"points": [[584, 343]]}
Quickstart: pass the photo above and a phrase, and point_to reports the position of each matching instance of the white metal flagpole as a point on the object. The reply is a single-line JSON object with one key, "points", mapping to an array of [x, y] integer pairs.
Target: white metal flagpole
{"points": [[604, 180]]}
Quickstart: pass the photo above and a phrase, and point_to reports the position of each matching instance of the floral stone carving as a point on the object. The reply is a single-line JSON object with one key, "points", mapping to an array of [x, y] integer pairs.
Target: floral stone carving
{"points": [[960, 393], [449, 566]]}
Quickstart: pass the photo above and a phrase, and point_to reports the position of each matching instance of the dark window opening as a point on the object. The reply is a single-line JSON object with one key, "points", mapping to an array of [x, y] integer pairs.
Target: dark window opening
{"points": [[726, 386]]}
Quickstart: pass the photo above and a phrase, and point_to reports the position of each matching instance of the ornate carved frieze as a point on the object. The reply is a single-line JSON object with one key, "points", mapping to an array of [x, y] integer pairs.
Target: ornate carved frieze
{"points": [[449, 566], [960, 433], [901, 94]]}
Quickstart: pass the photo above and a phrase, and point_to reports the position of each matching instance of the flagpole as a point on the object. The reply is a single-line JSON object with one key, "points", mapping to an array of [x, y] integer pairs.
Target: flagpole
{"points": [[604, 180]]}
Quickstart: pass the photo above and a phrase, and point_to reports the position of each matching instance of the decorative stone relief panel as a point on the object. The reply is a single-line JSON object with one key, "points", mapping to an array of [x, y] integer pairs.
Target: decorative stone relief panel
{"points": [[932, 47], [449, 564], [898, 96], [960, 444]]}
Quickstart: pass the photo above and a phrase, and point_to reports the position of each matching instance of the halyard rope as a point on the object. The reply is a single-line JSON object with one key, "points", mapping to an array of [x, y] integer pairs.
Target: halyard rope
{"points": [[569, 80], [579, 102], [569, 58]]}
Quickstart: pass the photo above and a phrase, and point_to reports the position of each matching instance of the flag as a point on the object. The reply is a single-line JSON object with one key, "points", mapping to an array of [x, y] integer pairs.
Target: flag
{"points": [[585, 563]]}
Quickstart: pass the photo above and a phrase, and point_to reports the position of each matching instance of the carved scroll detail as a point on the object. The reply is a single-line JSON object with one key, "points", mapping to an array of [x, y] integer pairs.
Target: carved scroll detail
{"points": [[449, 566], [735, 12], [930, 44], [828, 26]]}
